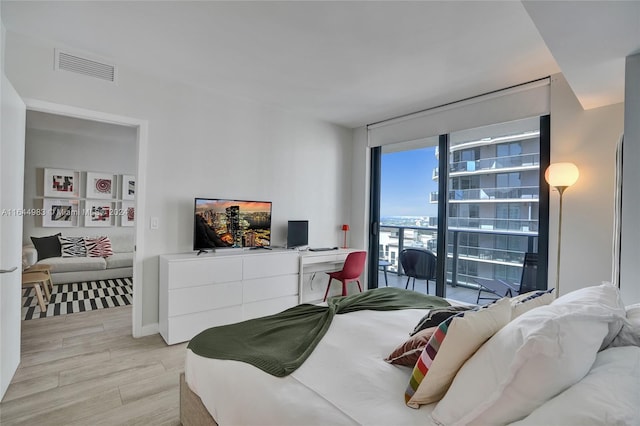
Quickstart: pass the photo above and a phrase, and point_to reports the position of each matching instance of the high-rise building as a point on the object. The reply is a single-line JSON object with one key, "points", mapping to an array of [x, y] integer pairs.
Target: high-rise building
{"points": [[494, 199]]}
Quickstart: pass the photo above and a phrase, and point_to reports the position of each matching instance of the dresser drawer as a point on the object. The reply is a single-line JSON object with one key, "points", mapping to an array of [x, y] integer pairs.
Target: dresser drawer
{"points": [[197, 272], [203, 298]]}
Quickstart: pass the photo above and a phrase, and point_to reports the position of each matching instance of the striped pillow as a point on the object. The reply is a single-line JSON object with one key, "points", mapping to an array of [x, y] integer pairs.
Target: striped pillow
{"points": [[99, 247], [453, 342], [72, 246], [527, 301]]}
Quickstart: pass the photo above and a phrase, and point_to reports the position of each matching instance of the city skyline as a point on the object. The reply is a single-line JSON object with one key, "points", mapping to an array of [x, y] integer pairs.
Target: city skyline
{"points": [[406, 182]]}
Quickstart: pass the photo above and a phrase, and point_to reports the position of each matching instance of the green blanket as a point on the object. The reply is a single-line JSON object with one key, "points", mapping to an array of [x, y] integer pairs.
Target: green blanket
{"points": [[279, 344]]}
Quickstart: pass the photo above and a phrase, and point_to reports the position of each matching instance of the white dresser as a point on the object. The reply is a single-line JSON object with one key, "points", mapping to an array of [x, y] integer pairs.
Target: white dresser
{"points": [[198, 292]]}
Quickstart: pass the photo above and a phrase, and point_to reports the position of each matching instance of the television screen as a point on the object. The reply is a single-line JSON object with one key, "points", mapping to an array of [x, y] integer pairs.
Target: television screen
{"points": [[297, 233], [231, 223]]}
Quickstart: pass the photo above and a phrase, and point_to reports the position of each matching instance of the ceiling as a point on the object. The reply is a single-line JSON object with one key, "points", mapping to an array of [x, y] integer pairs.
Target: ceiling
{"points": [[350, 63]]}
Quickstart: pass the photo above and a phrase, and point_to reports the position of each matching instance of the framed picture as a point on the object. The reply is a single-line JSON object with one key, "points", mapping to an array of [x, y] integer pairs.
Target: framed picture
{"points": [[100, 185], [61, 183], [128, 187], [98, 213], [60, 213], [127, 213]]}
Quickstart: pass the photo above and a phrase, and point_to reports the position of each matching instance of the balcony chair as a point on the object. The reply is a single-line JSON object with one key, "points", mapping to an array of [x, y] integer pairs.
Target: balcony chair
{"points": [[500, 288], [418, 263], [351, 271]]}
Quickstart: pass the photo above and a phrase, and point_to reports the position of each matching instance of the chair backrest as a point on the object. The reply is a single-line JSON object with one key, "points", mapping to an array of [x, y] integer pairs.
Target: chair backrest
{"points": [[354, 264], [418, 263], [529, 279]]}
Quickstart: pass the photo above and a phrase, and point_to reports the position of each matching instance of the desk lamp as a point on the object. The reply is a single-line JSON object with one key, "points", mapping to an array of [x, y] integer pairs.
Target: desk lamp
{"points": [[345, 228]]}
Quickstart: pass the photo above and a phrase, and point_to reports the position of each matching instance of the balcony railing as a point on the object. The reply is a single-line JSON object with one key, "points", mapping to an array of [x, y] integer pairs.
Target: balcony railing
{"points": [[528, 193], [523, 225], [493, 163], [413, 236]]}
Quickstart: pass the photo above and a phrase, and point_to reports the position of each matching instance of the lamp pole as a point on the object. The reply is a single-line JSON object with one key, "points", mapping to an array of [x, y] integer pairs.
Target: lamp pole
{"points": [[560, 176], [561, 190]]}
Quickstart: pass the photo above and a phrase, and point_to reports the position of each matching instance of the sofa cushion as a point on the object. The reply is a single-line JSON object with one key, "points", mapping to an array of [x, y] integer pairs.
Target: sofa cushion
{"points": [[75, 264], [119, 260], [122, 243], [47, 246]]}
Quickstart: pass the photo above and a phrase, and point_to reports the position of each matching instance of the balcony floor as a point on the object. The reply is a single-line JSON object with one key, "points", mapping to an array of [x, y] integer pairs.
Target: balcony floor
{"points": [[462, 294]]}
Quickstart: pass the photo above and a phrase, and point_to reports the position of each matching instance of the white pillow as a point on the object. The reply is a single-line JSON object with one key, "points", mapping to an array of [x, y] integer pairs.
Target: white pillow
{"points": [[629, 334], [633, 313], [531, 359], [595, 297], [608, 395]]}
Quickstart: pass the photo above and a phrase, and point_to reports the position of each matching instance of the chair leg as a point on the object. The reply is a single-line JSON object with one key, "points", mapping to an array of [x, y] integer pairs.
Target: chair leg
{"points": [[344, 287], [413, 286], [327, 292], [359, 286], [47, 293], [50, 282], [427, 286], [406, 287], [38, 290]]}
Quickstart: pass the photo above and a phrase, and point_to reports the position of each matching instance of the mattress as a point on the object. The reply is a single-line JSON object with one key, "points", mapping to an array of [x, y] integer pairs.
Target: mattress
{"points": [[345, 381]]}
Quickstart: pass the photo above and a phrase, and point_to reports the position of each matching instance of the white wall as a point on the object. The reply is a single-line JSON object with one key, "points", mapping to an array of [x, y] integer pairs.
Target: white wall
{"points": [[630, 253], [588, 139], [70, 143], [204, 144]]}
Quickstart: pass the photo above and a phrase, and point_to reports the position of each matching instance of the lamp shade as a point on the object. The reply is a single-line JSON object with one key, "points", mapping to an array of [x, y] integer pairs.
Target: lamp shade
{"points": [[561, 174], [345, 227]]}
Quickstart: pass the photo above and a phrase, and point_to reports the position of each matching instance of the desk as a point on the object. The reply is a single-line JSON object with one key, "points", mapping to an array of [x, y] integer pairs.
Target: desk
{"points": [[319, 261]]}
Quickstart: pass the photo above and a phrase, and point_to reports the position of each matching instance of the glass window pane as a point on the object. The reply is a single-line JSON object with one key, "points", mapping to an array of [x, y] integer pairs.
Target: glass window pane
{"points": [[408, 203], [496, 200]]}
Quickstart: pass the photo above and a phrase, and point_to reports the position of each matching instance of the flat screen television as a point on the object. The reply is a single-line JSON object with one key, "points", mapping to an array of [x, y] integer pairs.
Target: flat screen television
{"points": [[220, 223], [297, 233]]}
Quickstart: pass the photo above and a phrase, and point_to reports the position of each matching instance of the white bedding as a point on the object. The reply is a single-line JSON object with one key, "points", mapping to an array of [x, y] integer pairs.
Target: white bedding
{"points": [[345, 381]]}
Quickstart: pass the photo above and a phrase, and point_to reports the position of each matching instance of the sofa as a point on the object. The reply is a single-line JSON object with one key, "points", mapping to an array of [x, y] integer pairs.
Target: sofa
{"points": [[78, 265]]}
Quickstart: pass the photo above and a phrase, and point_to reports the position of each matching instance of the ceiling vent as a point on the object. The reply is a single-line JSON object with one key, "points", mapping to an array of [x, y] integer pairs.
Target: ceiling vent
{"points": [[80, 64]]}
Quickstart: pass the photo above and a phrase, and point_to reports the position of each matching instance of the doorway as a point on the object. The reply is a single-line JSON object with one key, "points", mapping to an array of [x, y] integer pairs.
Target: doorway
{"points": [[79, 181], [140, 128]]}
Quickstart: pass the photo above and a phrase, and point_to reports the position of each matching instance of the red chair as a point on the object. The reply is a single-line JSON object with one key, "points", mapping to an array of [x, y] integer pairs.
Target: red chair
{"points": [[351, 271]]}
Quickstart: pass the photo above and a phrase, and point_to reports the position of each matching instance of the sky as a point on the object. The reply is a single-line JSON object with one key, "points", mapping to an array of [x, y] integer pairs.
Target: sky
{"points": [[406, 183]]}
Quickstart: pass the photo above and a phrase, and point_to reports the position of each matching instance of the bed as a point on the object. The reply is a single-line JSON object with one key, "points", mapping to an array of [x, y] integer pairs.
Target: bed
{"points": [[346, 380]]}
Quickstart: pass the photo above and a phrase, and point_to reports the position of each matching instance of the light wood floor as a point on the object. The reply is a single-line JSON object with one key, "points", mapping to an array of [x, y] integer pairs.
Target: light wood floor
{"points": [[86, 369]]}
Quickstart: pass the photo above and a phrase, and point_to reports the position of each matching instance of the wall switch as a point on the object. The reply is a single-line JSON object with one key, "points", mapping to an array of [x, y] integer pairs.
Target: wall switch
{"points": [[154, 223]]}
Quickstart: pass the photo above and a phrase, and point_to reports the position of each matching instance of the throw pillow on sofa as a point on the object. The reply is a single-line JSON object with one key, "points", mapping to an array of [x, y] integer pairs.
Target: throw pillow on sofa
{"points": [[98, 247], [47, 246], [73, 246]]}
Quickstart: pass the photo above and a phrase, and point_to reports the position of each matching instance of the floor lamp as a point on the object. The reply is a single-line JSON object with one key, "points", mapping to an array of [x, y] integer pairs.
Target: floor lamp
{"points": [[560, 176]]}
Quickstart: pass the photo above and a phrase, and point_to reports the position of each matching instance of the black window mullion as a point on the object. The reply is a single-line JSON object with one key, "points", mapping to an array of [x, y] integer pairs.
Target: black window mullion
{"points": [[374, 217], [543, 203], [443, 214]]}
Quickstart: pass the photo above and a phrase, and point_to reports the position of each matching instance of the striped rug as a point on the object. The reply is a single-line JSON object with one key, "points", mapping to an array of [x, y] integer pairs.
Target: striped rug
{"points": [[79, 297]]}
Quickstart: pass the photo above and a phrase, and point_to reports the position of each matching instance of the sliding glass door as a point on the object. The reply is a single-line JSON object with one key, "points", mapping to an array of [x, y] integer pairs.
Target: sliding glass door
{"points": [[475, 198]]}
